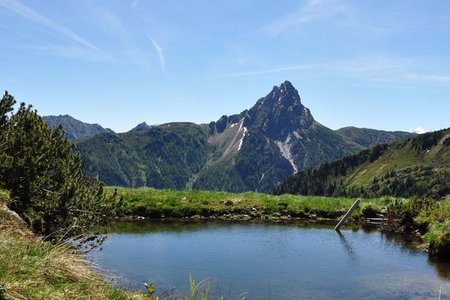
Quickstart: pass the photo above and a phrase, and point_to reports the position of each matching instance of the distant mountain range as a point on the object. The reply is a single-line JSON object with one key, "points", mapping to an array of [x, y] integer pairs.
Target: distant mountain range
{"points": [[74, 129], [418, 167], [251, 151]]}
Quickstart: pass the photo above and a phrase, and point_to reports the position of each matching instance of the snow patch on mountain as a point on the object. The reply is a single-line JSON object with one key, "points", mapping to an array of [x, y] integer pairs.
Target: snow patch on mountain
{"points": [[242, 127], [420, 130], [285, 149]]}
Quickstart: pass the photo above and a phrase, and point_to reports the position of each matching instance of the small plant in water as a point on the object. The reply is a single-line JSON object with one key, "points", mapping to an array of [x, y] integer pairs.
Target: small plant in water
{"points": [[199, 290], [150, 290]]}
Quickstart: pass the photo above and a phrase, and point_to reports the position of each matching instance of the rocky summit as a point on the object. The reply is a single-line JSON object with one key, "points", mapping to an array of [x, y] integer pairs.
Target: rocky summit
{"points": [[279, 114], [251, 151]]}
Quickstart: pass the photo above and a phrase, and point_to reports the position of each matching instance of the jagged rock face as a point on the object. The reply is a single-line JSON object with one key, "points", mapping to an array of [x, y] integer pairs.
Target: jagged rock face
{"points": [[279, 114]]}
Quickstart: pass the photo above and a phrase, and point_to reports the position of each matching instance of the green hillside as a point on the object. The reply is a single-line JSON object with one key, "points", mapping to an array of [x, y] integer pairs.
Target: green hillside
{"points": [[370, 137], [415, 167], [160, 156]]}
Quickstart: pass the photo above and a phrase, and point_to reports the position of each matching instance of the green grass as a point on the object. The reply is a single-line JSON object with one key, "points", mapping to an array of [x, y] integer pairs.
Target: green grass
{"points": [[151, 202], [33, 269], [401, 157], [437, 220]]}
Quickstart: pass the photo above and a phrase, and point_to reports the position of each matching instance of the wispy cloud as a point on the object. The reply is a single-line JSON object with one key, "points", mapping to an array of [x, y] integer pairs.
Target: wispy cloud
{"points": [[269, 71], [73, 52], [32, 15], [160, 52], [375, 68], [130, 47], [310, 11], [430, 78]]}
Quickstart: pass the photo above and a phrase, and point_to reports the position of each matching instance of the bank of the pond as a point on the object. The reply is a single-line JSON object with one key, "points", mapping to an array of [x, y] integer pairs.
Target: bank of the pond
{"points": [[429, 218], [33, 269], [155, 203]]}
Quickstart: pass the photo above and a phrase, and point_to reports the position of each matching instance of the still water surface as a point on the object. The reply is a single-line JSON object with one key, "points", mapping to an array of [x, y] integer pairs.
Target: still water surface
{"points": [[272, 261]]}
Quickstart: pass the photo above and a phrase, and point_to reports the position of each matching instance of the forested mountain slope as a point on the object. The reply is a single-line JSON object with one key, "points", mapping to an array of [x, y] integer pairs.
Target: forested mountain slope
{"points": [[415, 167]]}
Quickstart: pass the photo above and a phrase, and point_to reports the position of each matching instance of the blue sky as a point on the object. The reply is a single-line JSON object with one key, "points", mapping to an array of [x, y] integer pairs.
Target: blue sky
{"points": [[375, 64]]}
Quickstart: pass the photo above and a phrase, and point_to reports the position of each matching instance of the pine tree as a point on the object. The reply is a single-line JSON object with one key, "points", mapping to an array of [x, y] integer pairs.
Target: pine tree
{"points": [[44, 175]]}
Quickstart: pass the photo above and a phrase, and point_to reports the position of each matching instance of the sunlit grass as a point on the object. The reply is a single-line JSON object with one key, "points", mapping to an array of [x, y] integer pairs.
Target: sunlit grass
{"points": [[172, 203]]}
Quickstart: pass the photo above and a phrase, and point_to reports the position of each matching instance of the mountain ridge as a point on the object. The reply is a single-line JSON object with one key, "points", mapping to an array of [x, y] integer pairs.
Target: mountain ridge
{"points": [[250, 151], [74, 129]]}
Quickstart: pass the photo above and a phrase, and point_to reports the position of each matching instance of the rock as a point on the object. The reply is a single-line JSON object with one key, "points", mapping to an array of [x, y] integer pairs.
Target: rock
{"points": [[12, 213]]}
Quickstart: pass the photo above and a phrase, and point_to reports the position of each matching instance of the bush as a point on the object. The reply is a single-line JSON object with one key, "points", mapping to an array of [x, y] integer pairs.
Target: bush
{"points": [[439, 239]]}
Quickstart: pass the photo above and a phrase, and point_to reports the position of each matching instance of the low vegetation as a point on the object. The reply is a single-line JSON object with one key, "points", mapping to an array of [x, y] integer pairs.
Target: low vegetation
{"points": [[149, 202], [33, 269], [437, 222]]}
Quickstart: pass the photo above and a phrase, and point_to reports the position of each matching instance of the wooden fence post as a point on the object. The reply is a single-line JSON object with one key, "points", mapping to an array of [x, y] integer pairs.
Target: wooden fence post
{"points": [[349, 212]]}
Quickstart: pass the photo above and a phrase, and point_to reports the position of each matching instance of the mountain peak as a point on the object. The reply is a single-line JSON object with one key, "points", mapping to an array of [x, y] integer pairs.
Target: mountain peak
{"points": [[279, 113], [287, 86], [74, 129], [141, 126], [286, 94]]}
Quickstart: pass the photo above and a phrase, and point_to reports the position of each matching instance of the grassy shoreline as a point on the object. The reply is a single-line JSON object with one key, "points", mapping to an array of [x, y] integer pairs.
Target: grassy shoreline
{"points": [[155, 203], [33, 269], [429, 218]]}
